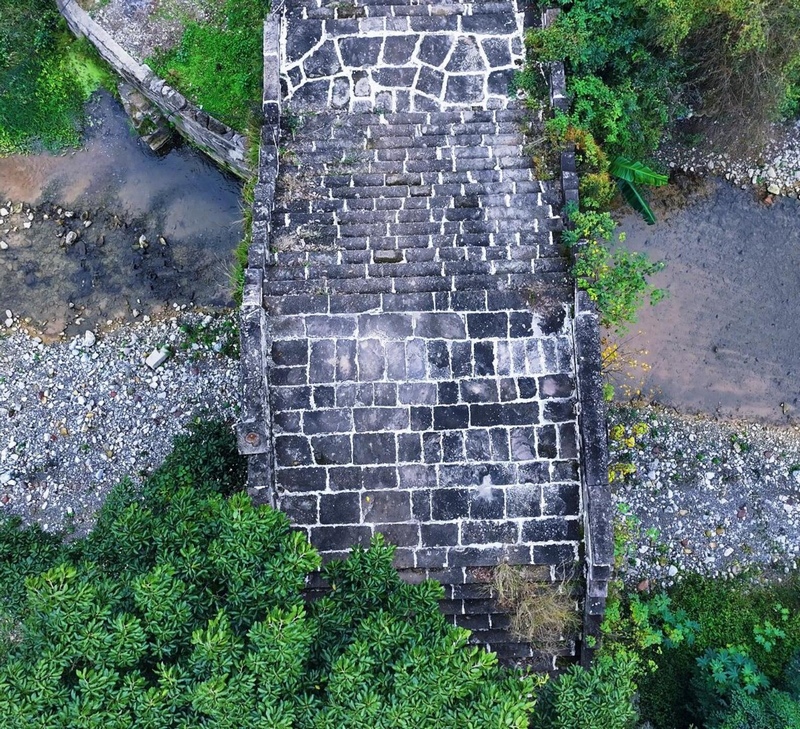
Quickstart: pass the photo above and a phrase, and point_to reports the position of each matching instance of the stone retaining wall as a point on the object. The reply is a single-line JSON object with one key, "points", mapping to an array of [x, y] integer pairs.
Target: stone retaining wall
{"points": [[224, 145], [254, 430], [598, 516]]}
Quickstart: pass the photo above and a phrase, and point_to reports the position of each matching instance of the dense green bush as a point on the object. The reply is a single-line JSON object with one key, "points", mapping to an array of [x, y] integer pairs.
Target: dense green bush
{"points": [[184, 608], [615, 279], [599, 697], [45, 78], [635, 65], [739, 624], [219, 63], [771, 710], [731, 693]]}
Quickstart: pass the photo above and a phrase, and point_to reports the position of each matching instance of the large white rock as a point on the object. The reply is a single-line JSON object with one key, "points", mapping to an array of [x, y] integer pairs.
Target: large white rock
{"points": [[157, 357]]}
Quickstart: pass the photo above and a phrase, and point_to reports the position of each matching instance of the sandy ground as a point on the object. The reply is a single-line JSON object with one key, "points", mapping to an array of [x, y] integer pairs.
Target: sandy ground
{"points": [[725, 341]]}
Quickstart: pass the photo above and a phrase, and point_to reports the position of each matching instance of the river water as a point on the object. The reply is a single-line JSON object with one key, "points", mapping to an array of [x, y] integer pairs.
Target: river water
{"points": [[126, 192], [726, 341]]}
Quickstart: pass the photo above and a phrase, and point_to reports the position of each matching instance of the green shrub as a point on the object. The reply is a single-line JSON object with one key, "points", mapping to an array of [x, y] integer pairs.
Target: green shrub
{"points": [[791, 676], [600, 697], [219, 64], [184, 608], [771, 710], [730, 612], [616, 280], [633, 66]]}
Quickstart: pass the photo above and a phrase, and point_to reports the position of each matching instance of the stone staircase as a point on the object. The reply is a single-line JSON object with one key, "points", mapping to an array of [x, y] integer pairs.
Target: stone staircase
{"points": [[421, 370]]}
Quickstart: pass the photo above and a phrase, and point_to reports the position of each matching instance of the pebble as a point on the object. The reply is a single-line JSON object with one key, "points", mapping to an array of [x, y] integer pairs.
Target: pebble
{"points": [[745, 512], [775, 169], [74, 425]]}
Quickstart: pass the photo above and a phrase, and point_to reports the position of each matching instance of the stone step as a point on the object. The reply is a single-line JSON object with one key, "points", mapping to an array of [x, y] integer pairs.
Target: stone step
{"points": [[452, 126], [501, 235], [379, 8], [409, 255], [497, 233], [436, 14], [413, 284], [475, 300], [315, 273]]}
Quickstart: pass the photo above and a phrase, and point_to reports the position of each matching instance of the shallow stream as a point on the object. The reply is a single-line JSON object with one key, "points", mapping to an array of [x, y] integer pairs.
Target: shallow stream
{"points": [[187, 210]]}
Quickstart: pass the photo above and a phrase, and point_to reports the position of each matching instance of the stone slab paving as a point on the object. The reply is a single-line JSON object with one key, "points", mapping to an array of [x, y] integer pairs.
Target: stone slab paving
{"points": [[422, 378], [381, 56]]}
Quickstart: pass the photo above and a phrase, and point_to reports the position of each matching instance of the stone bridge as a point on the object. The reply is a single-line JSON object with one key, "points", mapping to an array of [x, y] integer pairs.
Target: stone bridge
{"points": [[414, 358]]}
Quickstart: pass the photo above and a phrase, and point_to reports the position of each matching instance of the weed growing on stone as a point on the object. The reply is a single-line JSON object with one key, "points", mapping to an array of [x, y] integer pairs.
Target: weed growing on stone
{"points": [[542, 614], [218, 334]]}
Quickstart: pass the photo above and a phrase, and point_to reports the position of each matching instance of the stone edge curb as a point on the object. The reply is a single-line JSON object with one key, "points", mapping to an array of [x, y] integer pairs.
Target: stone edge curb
{"points": [[254, 429], [223, 144], [595, 489]]}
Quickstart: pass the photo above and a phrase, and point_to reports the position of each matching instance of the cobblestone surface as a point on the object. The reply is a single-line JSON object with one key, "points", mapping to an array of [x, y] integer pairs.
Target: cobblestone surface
{"points": [[77, 417], [704, 496], [373, 55]]}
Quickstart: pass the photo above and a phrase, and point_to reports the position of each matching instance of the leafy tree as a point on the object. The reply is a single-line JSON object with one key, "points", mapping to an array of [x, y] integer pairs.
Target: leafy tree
{"points": [[185, 608], [636, 65]]}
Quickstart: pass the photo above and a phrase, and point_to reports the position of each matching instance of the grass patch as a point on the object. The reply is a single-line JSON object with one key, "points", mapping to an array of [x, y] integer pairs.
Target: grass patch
{"points": [[45, 78], [730, 613], [218, 64]]}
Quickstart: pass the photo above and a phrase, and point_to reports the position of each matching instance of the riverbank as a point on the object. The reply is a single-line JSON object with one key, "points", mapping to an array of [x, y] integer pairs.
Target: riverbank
{"points": [[703, 496], [773, 169], [724, 340]]}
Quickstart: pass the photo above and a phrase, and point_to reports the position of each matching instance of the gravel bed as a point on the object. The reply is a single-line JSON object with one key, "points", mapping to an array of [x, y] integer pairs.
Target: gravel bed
{"points": [[144, 27], [704, 496], [78, 416]]}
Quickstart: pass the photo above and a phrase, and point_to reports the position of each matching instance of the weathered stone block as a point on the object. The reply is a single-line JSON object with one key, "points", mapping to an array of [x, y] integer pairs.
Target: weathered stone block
{"points": [[302, 479], [360, 52], [374, 448], [332, 449], [327, 421], [371, 359], [292, 450], [449, 504], [439, 535], [339, 508], [380, 418], [386, 506]]}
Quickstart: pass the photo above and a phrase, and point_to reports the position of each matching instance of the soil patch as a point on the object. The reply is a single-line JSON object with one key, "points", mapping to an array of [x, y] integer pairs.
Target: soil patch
{"points": [[724, 341]]}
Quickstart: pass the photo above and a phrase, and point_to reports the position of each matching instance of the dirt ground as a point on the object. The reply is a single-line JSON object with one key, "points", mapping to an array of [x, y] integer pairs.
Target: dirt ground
{"points": [[725, 340]]}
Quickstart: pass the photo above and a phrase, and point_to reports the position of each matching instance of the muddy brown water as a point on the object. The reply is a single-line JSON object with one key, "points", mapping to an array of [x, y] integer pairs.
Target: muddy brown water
{"points": [[126, 191], [726, 341]]}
